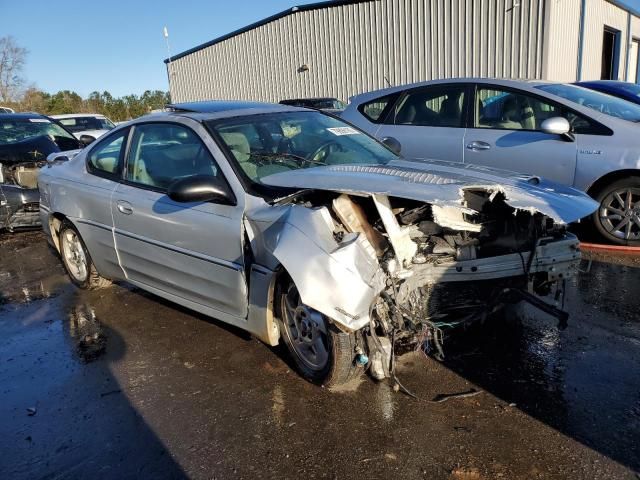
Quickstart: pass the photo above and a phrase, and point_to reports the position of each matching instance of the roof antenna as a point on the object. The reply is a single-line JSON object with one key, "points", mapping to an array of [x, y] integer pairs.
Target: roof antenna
{"points": [[165, 34], [388, 82]]}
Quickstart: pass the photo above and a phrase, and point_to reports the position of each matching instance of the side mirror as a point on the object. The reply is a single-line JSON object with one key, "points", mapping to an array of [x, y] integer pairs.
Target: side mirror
{"points": [[557, 126], [392, 144], [86, 140], [56, 157], [200, 188]]}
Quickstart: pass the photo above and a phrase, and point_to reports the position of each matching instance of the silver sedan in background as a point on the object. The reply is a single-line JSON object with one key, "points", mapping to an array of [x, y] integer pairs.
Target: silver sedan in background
{"points": [[563, 132]]}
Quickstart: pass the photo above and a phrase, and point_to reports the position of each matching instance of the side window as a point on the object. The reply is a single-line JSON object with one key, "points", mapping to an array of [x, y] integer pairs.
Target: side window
{"points": [[163, 152], [582, 125], [438, 106], [376, 110], [106, 157], [504, 109]]}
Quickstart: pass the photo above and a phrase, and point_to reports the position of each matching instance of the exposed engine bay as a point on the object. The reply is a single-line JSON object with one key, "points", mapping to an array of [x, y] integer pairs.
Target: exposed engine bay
{"points": [[20, 163], [435, 268], [24, 174], [19, 196]]}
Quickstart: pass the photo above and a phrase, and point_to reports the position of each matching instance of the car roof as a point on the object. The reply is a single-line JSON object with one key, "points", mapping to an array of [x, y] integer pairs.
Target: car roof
{"points": [[312, 99], [216, 106], [214, 109], [525, 84], [22, 115], [77, 115], [612, 83]]}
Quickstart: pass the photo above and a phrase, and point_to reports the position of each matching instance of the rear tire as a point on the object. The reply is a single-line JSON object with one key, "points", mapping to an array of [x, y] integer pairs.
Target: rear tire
{"points": [[617, 220], [77, 261], [321, 353]]}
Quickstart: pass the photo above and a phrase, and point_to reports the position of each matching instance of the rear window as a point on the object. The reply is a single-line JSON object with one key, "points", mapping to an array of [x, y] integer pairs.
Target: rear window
{"points": [[376, 110]]}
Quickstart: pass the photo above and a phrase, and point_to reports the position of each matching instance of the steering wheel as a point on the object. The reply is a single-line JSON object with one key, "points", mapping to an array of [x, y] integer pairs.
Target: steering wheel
{"points": [[322, 152]]}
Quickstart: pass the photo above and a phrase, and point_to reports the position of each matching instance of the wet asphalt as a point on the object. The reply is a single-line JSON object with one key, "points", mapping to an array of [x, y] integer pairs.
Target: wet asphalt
{"points": [[118, 383]]}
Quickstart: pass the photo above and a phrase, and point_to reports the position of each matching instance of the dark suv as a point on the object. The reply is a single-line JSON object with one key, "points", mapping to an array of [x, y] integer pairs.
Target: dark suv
{"points": [[26, 139]]}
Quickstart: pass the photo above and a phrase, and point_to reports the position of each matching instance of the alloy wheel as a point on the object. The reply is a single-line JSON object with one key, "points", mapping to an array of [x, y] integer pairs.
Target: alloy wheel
{"points": [[74, 256], [306, 330], [620, 213]]}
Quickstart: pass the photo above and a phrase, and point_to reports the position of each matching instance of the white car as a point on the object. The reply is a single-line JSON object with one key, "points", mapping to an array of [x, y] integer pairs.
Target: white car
{"points": [[91, 124], [562, 132]]}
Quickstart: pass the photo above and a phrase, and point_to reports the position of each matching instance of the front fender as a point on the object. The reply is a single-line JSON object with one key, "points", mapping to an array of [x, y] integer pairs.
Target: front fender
{"points": [[339, 279]]}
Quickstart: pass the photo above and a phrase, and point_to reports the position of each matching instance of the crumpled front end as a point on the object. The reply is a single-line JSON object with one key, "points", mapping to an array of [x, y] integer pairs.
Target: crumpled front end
{"points": [[19, 197], [406, 271]]}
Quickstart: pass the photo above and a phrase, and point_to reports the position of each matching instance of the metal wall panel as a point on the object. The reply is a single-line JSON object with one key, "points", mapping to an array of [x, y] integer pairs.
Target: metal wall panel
{"points": [[598, 14], [562, 36], [364, 46]]}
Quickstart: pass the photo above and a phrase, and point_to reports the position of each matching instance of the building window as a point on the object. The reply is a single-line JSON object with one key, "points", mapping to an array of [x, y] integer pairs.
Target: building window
{"points": [[610, 54], [634, 50]]}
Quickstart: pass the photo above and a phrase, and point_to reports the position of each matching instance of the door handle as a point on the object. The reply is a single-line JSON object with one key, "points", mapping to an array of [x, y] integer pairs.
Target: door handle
{"points": [[124, 207], [478, 145]]}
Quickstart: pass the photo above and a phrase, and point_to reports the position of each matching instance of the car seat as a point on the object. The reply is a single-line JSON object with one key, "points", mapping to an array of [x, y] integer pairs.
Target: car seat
{"points": [[107, 164], [140, 174], [406, 115], [528, 118], [511, 115], [241, 150], [450, 112]]}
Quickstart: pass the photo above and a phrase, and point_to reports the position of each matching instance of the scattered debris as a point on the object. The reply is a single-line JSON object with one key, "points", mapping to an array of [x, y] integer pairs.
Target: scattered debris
{"points": [[443, 397], [111, 392], [462, 429]]}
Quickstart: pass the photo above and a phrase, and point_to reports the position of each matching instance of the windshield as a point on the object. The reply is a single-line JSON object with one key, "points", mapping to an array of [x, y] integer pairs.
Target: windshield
{"points": [[603, 103], [79, 124], [14, 130], [280, 142]]}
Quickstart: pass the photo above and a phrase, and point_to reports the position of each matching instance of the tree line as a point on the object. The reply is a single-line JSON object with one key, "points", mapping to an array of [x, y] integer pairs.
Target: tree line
{"points": [[65, 101], [13, 94]]}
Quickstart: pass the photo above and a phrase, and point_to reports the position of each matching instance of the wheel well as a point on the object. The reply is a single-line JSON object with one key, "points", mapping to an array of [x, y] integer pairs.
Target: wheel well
{"points": [[55, 223], [609, 178]]}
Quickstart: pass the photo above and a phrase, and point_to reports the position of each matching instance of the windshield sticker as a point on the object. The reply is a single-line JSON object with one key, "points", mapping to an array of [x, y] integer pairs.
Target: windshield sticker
{"points": [[39, 120], [343, 131]]}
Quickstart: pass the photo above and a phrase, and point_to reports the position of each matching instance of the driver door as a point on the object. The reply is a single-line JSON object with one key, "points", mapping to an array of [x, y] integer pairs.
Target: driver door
{"points": [[506, 134], [192, 251]]}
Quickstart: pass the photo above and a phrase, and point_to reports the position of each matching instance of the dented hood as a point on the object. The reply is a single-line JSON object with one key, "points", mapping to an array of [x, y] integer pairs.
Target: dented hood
{"points": [[442, 183]]}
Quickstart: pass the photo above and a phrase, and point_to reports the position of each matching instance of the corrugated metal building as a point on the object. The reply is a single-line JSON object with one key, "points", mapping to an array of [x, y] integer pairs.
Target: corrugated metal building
{"points": [[346, 47]]}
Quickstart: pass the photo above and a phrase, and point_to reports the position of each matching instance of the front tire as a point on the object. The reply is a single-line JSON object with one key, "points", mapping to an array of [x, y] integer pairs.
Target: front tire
{"points": [[617, 220], [77, 261], [321, 352]]}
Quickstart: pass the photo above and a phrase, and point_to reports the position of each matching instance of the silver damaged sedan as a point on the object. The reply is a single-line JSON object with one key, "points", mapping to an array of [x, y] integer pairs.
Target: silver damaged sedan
{"points": [[295, 226]]}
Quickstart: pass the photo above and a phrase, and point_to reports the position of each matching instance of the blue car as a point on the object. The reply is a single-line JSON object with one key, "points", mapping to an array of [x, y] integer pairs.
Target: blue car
{"points": [[625, 90]]}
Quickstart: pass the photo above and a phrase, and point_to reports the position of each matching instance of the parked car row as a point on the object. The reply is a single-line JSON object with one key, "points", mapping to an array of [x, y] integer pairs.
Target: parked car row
{"points": [[90, 125]]}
